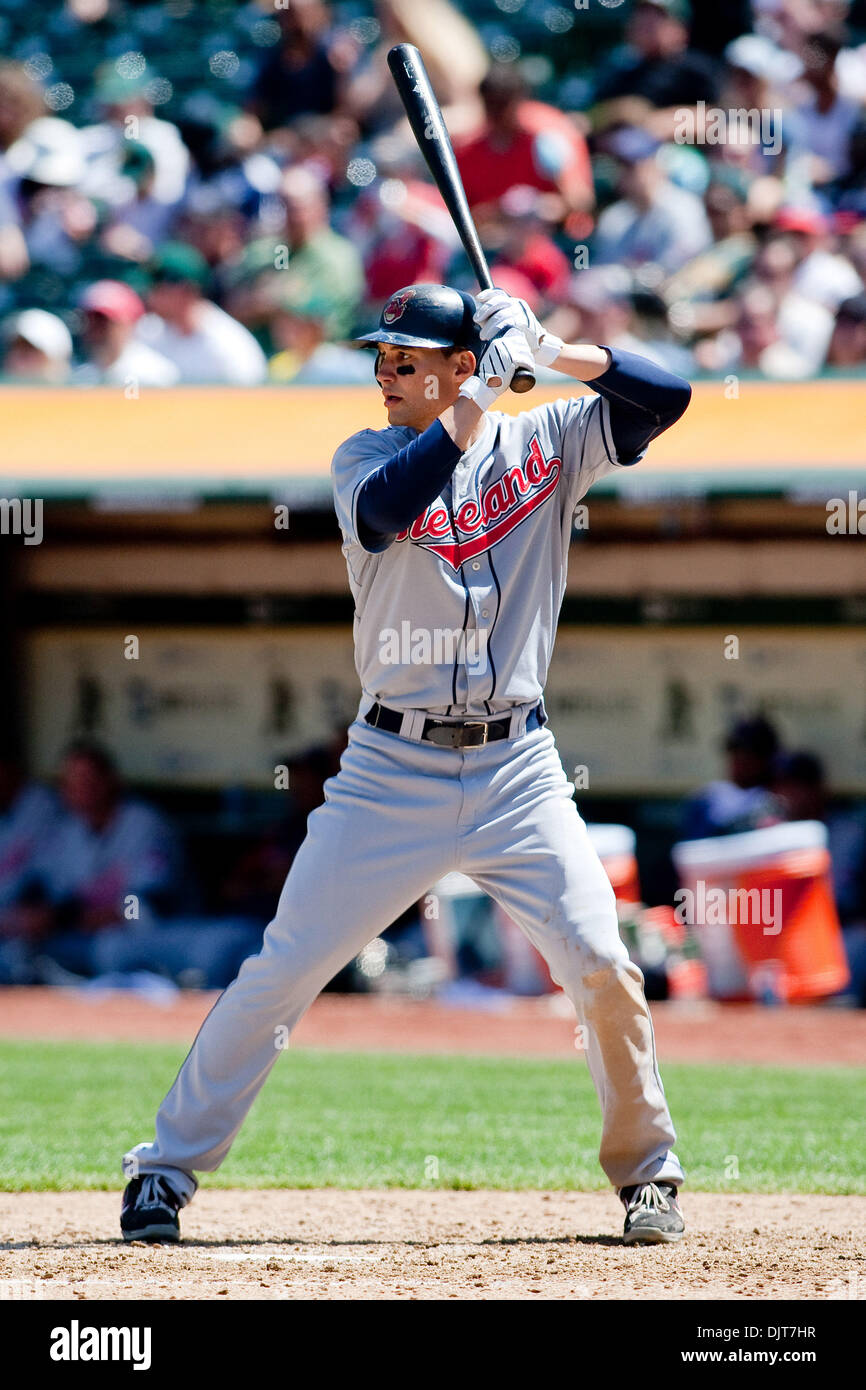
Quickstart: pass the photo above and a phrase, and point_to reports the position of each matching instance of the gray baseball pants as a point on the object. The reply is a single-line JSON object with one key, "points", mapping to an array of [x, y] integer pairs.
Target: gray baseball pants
{"points": [[398, 816]]}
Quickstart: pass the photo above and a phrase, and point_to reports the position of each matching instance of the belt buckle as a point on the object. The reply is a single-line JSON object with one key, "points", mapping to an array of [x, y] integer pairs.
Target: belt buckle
{"points": [[477, 724]]}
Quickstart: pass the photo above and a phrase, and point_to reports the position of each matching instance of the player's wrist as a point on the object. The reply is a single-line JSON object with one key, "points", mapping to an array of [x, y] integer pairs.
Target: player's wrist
{"points": [[549, 348], [475, 390]]}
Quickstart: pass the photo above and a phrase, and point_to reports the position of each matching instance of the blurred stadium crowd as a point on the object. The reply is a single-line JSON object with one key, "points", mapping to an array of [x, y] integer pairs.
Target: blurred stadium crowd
{"points": [[208, 190]]}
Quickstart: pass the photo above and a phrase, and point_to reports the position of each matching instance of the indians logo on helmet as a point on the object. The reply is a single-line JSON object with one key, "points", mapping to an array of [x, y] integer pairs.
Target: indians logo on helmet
{"points": [[396, 306]]}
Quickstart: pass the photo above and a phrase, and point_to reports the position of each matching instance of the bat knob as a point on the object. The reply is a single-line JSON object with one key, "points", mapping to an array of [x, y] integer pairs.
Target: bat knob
{"points": [[522, 381]]}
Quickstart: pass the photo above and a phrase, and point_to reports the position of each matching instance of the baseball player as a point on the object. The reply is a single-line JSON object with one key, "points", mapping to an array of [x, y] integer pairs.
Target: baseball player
{"points": [[456, 521]]}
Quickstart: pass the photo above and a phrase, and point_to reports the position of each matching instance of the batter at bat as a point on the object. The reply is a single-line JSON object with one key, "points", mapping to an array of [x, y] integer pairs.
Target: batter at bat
{"points": [[457, 517]]}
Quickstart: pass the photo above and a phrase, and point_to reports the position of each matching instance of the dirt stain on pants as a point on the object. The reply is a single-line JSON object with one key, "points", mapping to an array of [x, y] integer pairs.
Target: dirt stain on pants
{"points": [[637, 1130]]}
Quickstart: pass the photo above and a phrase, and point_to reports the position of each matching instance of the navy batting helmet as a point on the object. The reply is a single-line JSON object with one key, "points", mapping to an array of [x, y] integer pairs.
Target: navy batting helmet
{"points": [[429, 316]]}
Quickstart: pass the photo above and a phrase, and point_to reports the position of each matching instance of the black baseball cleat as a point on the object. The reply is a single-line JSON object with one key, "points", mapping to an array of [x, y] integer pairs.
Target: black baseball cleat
{"points": [[652, 1214], [149, 1210]]}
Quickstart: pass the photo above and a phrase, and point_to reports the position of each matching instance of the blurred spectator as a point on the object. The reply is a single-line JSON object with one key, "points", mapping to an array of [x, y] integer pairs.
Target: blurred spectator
{"points": [[109, 845], [597, 308], [304, 356], [400, 224], [654, 222], [103, 887], [855, 249], [757, 77], [658, 340], [323, 144], [658, 66], [217, 230], [28, 813], [129, 115], [848, 343], [748, 328], [523, 244], [743, 800], [202, 341], [38, 347], [600, 308], [819, 129], [778, 330], [801, 790], [523, 142], [453, 56], [306, 70], [139, 221], [848, 193], [114, 356], [54, 217], [110, 860], [821, 274], [308, 252], [851, 60], [715, 272], [515, 282], [232, 166], [804, 325], [254, 883], [100, 887], [21, 102]]}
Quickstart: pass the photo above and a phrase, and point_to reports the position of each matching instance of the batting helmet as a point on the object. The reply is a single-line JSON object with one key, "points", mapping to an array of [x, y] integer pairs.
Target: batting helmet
{"points": [[429, 316]]}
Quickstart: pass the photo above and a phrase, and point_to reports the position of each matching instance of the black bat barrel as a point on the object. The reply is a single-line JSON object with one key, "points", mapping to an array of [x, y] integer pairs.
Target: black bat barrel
{"points": [[428, 127]]}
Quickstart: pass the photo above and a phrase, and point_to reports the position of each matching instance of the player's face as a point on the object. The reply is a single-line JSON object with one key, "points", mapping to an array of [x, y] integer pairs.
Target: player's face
{"points": [[417, 384]]}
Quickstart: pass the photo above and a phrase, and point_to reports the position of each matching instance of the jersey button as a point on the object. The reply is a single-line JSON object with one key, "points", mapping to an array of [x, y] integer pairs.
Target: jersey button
{"points": [[484, 613], [476, 565]]}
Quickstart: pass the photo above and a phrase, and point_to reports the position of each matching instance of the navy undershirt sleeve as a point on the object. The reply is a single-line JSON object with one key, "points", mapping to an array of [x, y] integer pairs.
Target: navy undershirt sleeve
{"points": [[400, 489], [644, 401]]}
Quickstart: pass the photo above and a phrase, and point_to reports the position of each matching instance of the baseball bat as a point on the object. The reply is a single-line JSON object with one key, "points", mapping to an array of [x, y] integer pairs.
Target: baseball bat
{"points": [[428, 127]]}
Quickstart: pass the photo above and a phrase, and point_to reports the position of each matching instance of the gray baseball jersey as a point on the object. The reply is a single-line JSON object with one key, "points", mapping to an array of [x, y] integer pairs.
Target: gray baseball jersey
{"points": [[484, 567]]}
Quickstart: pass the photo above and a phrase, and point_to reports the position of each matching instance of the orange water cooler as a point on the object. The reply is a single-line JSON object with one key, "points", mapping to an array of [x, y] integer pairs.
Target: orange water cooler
{"points": [[764, 914]]}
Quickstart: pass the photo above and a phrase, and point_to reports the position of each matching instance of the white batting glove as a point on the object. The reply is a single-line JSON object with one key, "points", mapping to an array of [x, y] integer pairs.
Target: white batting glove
{"points": [[498, 311], [500, 360]]}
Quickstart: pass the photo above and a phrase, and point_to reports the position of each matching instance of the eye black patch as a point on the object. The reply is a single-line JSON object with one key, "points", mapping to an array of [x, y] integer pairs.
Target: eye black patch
{"points": [[406, 370]]}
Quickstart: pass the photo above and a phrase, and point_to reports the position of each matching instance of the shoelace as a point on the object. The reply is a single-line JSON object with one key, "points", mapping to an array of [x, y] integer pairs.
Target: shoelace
{"points": [[151, 1194], [650, 1197]]}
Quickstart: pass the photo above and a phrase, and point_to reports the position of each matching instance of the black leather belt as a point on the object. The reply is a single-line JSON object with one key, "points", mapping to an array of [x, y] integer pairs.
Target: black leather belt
{"points": [[474, 733]]}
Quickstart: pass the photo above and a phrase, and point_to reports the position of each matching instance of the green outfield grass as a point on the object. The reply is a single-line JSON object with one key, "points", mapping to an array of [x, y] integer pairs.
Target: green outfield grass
{"points": [[69, 1110]]}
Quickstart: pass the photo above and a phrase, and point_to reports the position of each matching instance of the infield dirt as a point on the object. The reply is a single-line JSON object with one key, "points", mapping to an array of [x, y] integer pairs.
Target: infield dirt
{"points": [[399, 1244]]}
